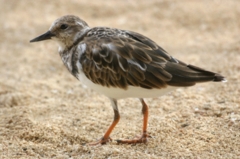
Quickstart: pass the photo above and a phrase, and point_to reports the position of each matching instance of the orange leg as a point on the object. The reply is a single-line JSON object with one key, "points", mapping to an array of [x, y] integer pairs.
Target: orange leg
{"points": [[144, 136], [116, 119]]}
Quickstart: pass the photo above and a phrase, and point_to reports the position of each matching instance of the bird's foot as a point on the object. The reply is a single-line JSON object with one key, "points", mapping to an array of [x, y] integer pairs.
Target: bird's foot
{"points": [[101, 141], [138, 139]]}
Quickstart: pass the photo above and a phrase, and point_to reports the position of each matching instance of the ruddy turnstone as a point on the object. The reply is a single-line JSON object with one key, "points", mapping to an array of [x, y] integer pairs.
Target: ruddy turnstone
{"points": [[121, 64]]}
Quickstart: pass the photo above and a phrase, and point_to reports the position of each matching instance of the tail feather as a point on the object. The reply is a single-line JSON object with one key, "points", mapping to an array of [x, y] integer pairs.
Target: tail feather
{"points": [[219, 78], [188, 75]]}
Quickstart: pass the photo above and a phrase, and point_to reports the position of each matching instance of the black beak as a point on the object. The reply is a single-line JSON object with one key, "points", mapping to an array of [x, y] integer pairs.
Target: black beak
{"points": [[44, 36]]}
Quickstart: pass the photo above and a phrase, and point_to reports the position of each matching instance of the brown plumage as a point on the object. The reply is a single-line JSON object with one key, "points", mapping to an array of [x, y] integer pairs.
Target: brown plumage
{"points": [[128, 58]]}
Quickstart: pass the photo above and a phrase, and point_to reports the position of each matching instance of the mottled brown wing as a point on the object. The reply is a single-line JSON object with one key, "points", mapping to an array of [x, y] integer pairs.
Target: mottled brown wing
{"points": [[133, 59]]}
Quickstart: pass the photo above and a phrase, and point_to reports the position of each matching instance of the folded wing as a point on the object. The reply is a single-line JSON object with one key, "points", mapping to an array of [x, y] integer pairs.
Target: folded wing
{"points": [[130, 58]]}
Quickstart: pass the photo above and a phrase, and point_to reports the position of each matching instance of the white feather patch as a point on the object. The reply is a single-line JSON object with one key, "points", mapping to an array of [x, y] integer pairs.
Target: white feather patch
{"points": [[118, 93]]}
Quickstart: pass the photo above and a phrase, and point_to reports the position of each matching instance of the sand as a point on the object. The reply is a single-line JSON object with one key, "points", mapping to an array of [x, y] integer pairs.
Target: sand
{"points": [[46, 113]]}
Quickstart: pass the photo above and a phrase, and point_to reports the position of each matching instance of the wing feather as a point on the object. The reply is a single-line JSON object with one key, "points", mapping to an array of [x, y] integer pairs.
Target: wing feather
{"points": [[120, 58]]}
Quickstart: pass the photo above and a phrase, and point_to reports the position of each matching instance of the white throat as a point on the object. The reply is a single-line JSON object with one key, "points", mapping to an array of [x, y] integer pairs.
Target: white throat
{"points": [[61, 46]]}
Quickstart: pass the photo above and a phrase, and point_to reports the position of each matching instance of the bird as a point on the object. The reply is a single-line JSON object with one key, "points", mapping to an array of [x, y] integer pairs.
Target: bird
{"points": [[121, 64]]}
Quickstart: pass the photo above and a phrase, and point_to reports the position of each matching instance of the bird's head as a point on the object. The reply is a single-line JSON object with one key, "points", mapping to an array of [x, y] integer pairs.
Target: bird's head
{"points": [[65, 30]]}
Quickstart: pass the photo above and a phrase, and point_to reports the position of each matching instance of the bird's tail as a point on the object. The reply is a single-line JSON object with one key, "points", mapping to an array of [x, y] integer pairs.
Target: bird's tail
{"points": [[215, 76], [188, 75]]}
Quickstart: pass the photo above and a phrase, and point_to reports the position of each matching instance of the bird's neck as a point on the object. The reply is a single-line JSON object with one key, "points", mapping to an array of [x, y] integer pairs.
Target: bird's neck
{"points": [[79, 36]]}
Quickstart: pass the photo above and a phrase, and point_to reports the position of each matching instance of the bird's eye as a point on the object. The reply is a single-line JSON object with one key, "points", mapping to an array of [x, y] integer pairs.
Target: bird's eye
{"points": [[64, 26]]}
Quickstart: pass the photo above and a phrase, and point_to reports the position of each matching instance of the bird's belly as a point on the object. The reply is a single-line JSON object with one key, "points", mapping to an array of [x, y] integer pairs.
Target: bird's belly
{"points": [[119, 93]]}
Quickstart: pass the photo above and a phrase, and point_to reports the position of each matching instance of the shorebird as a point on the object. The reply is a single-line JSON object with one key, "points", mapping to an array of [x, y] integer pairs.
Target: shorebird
{"points": [[121, 64]]}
